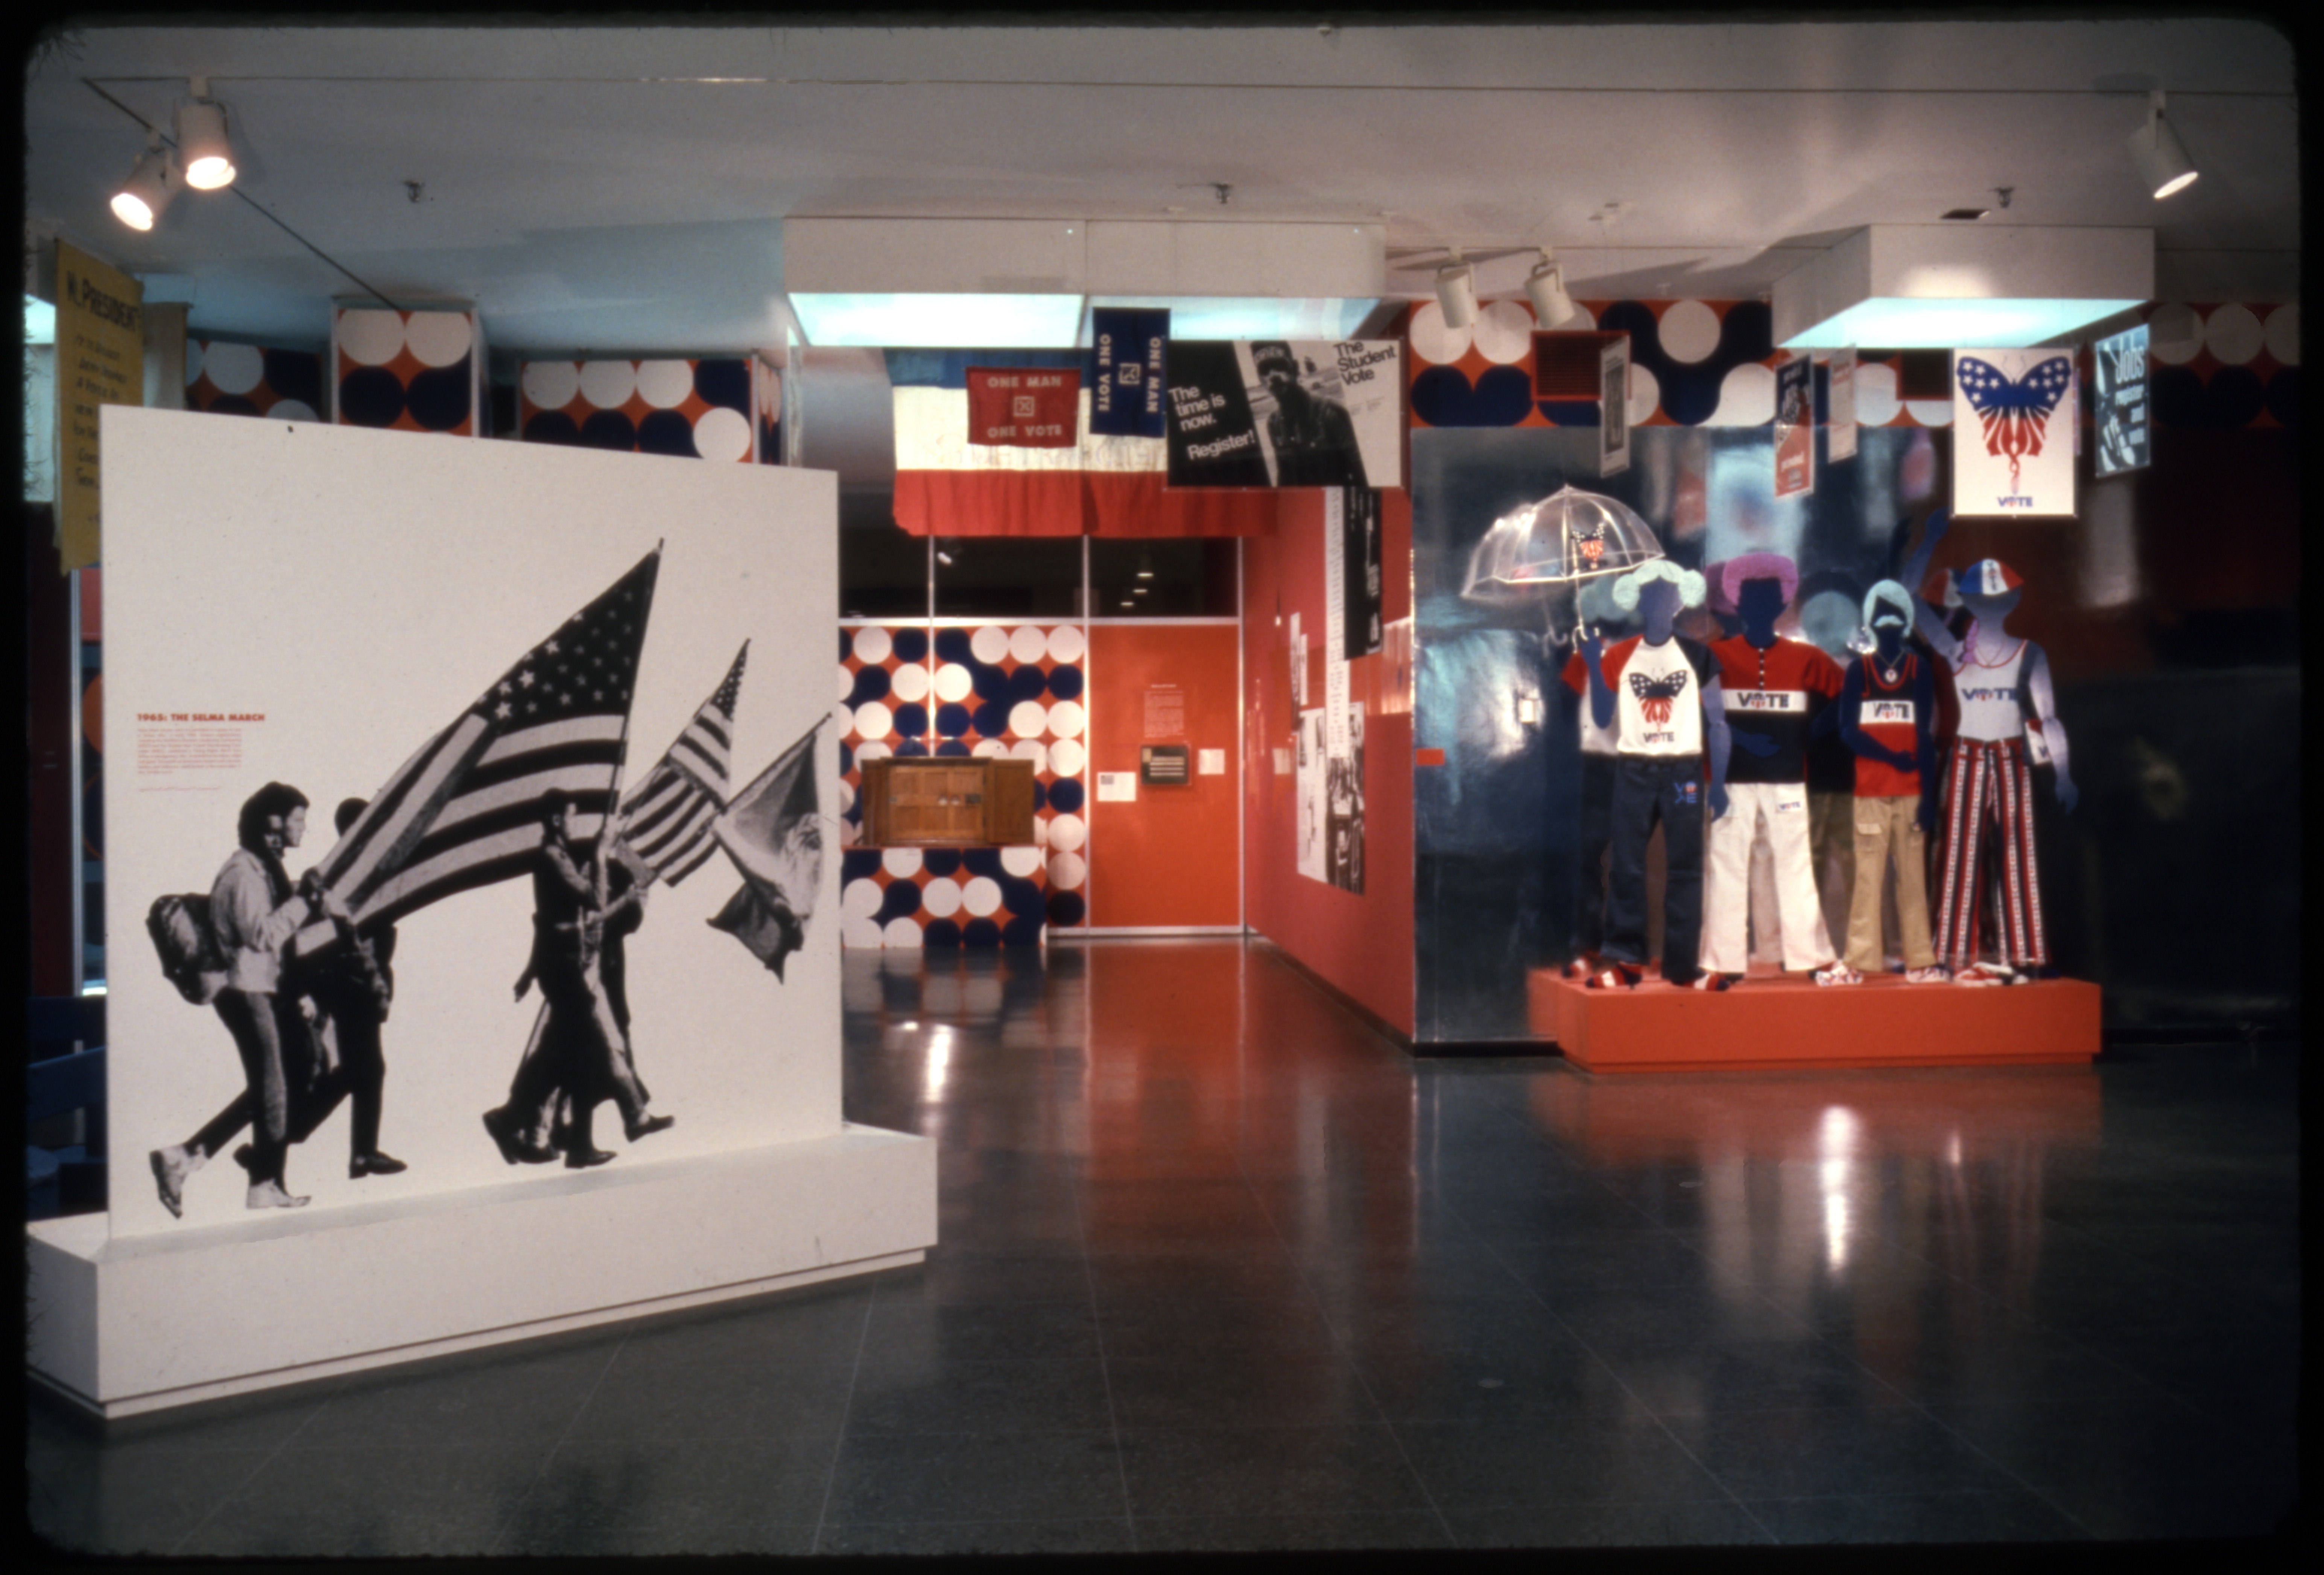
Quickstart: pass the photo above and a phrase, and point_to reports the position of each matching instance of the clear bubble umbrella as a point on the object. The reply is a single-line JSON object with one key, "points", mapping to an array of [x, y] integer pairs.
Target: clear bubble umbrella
{"points": [[1541, 552]]}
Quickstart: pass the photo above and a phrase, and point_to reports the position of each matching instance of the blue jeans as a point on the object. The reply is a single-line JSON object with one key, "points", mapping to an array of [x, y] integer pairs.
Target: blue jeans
{"points": [[1590, 887], [1648, 788]]}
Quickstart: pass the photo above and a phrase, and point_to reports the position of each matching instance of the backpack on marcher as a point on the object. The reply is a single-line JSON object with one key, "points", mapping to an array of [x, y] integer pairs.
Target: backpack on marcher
{"points": [[180, 928]]}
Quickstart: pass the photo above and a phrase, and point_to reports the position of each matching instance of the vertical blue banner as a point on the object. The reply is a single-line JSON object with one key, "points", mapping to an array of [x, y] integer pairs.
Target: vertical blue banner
{"points": [[1126, 371]]}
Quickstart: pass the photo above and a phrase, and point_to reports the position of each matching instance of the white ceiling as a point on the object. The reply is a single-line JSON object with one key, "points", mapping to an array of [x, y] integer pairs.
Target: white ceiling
{"points": [[605, 188]]}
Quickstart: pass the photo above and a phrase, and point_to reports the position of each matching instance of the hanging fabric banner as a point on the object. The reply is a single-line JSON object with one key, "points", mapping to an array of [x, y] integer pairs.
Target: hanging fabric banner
{"points": [[1020, 407], [1126, 367], [2013, 420], [1840, 406], [1795, 427]]}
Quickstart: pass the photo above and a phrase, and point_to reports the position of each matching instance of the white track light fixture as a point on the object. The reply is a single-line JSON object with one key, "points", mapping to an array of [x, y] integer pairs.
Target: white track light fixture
{"points": [[1545, 288], [151, 185], [203, 150], [1456, 291], [2161, 157]]}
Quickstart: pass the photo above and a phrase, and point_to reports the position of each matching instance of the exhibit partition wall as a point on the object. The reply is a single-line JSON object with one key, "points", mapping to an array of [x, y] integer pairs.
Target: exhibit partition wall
{"points": [[491, 647], [1328, 816]]}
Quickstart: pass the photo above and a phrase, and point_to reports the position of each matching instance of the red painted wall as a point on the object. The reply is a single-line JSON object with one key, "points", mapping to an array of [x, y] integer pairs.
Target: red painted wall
{"points": [[1169, 858], [1362, 945]]}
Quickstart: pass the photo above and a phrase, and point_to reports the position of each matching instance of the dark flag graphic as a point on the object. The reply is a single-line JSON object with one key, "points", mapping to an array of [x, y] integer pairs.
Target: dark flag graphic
{"points": [[666, 819], [773, 833], [465, 810]]}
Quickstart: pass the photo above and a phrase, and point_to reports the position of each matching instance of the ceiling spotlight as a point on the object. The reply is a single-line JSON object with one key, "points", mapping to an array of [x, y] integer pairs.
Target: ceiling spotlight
{"points": [[1456, 291], [2161, 157], [1545, 288], [1145, 566], [202, 145], [151, 185]]}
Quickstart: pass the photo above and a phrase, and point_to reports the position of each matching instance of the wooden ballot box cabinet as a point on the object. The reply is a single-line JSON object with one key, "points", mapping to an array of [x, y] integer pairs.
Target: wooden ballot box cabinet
{"points": [[948, 801]]}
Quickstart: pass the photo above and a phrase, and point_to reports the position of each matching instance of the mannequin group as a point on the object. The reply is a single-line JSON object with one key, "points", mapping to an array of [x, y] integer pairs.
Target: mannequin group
{"points": [[1746, 707]]}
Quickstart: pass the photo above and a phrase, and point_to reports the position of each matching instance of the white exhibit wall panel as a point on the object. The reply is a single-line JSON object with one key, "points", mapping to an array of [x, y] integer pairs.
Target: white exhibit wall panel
{"points": [[125, 1326], [349, 594]]}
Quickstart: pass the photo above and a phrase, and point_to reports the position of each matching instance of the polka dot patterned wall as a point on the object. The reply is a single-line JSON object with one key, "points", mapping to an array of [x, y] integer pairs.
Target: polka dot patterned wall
{"points": [[990, 689], [1710, 363], [706, 407], [246, 379], [406, 371]]}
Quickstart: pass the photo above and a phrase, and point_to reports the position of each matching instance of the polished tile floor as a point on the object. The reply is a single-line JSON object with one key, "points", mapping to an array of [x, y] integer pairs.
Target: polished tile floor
{"points": [[1222, 1269]]}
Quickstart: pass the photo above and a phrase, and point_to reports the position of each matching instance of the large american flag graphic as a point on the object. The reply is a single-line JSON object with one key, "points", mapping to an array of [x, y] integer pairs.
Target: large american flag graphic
{"points": [[464, 811], [665, 820]]}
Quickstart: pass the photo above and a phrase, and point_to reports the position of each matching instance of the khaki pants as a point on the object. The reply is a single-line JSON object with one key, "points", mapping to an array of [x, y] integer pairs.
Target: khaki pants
{"points": [[1832, 843], [1886, 829]]}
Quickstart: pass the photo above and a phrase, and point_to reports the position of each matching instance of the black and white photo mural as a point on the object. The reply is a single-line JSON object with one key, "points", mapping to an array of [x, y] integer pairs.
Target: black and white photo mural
{"points": [[476, 814]]}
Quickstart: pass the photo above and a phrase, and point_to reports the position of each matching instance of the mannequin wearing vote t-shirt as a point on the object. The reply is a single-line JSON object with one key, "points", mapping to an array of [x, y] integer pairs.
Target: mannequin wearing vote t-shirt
{"points": [[1984, 828], [1887, 715], [1659, 692], [1770, 688]]}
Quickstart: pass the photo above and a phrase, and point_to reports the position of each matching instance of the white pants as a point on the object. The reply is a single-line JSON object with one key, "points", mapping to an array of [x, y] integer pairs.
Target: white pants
{"points": [[1779, 810]]}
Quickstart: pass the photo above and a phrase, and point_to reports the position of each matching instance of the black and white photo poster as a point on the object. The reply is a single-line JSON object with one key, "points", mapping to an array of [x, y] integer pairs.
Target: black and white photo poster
{"points": [[1285, 413], [2120, 390], [1344, 800], [1353, 514], [1309, 782], [1614, 406], [383, 693]]}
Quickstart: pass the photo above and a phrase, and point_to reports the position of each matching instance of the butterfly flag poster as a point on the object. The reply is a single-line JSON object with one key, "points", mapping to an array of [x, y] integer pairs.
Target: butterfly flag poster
{"points": [[1285, 413], [1840, 406], [1795, 427], [2014, 432], [1127, 351], [492, 702], [2119, 390]]}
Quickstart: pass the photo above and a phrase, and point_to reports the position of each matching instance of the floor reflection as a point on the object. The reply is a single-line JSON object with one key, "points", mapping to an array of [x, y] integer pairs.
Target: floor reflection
{"points": [[1222, 1268]]}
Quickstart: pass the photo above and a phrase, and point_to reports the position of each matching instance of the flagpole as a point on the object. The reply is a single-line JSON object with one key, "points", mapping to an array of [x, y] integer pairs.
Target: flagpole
{"points": [[620, 764]]}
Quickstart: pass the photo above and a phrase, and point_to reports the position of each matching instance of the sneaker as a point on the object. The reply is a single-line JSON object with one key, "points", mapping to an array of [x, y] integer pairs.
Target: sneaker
{"points": [[1616, 976], [1713, 982], [171, 1166], [266, 1195], [1932, 974], [1838, 973], [1983, 975]]}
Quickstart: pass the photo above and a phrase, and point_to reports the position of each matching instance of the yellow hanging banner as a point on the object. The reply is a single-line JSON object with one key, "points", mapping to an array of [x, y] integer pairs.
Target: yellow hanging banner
{"points": [[101, 360]]}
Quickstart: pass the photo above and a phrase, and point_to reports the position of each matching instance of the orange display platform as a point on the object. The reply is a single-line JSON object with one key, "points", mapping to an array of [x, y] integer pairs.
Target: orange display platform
{"points": [[1774, 1020]]}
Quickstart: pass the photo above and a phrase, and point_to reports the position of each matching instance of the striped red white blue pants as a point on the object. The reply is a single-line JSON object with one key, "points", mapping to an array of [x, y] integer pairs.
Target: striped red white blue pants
{"points": [[1984, 851]]}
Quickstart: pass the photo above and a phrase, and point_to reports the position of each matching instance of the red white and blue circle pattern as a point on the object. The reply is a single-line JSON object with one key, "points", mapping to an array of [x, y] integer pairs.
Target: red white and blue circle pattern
{"points": [[246, 380], [700, 409], [1712, 364], [405, 371], [988, 690]]}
